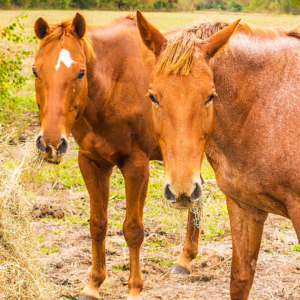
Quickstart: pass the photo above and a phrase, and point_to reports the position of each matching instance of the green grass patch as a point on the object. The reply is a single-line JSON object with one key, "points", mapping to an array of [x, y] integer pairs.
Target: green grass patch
{"points": [[160, 261], [295, 248], [45, 249], [67, 173], [40, 239]]}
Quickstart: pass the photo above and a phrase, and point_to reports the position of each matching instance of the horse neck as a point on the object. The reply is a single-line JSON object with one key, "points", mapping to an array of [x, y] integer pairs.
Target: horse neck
{"points": [[233, 104], [254, 72], [121, 61]]}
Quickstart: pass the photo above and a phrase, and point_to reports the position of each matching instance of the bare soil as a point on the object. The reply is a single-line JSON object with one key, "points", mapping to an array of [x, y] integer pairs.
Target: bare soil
{"points": [[60, 216], [277, 276]]}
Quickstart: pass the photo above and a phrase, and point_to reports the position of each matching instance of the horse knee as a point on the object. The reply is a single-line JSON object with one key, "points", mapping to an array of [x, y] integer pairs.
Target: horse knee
{"points": [[98, 229], [133, 233]]}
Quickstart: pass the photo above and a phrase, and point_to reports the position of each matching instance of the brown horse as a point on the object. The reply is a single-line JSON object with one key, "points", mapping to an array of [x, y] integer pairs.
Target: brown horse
{"points": [[249, 131], [93, 81]]}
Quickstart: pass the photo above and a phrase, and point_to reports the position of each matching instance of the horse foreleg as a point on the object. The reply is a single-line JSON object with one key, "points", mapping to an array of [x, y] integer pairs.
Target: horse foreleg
{"points": [[96, 178], [247, 225], [136, 174], [190, 248], [293, 209]]}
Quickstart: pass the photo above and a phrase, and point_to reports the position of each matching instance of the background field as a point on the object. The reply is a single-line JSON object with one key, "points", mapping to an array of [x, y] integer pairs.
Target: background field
{"points": [[163, 20], [61, 208]]}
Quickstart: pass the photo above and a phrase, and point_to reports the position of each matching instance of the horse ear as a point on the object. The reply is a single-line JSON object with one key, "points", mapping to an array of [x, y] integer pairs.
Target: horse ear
{"points": [[151, 36], [41, 28], [213, 44], [79, 25]]}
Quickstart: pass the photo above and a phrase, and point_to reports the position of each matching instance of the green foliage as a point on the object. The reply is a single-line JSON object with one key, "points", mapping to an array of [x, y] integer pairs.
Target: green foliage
{"points": [[12, 56], [141, 4], [167, 4], [53, 4], [212, 4], [236, 6], [85, 4], [4, 3], [273, 6]]}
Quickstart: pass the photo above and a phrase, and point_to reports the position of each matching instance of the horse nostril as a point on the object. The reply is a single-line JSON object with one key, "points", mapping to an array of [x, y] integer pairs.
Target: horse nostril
{"points": [[40, 144], [168, 194], [196, 193], [63, 146]]}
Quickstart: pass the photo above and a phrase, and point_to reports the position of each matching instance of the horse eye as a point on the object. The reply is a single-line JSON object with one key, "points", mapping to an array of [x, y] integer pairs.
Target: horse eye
{"points": [[211, 98], [81, 74], [35, 73], [153, 99]]}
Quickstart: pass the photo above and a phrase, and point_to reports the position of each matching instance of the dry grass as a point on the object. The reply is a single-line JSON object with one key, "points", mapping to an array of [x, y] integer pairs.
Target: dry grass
{"points": [[20, 272]]}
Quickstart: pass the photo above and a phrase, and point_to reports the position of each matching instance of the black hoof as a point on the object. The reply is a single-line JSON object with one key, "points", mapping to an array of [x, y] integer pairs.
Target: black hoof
{"points": [[81, 297], [179, 270]]}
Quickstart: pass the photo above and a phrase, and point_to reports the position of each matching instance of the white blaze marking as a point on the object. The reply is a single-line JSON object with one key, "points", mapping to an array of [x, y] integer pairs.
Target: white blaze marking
{"points": [[65, 57]]}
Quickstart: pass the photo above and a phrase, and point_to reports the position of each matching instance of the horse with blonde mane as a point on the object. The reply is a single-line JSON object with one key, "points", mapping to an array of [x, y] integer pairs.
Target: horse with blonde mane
{"points": [[239, 103]]}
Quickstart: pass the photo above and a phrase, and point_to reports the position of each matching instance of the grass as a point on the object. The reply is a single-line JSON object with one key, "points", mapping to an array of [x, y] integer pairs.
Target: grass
{"points": [[67, 173], [295, 248], [45, 249]]}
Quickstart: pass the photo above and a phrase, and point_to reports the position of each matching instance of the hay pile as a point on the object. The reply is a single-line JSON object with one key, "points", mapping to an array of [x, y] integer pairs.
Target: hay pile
{"points": [[20, 271]]}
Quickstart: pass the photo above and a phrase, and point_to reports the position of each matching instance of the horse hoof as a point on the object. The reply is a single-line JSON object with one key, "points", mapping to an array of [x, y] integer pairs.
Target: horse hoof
{"points": [[81, 297], [179, 270]]}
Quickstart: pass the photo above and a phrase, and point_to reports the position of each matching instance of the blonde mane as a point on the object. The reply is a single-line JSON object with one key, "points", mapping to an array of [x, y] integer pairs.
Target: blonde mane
{"points": [[178, 57]]}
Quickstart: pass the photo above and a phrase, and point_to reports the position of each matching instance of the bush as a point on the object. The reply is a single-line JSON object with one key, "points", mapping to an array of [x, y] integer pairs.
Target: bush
{"points": [[85, 4], [236, 6], [212, 4], [12, 56]]}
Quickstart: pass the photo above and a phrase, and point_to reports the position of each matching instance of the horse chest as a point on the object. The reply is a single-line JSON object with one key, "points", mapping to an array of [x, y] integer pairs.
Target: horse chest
{"points": [[249, 188], [106, 148], [231, 181]]}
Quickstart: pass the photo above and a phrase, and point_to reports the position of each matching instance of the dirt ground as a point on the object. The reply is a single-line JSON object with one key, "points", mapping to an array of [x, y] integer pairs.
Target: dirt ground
{"points": [[66, 254], [277, 272], [60, 217]]}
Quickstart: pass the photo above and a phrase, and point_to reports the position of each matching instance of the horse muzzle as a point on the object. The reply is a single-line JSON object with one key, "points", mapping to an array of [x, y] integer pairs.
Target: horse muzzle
{"points": [[183, 200], [52, 154]]}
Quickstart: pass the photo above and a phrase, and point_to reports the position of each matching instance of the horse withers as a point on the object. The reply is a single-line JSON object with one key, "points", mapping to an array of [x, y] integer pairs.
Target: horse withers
{"points": [[93, 80], [240, 104]]}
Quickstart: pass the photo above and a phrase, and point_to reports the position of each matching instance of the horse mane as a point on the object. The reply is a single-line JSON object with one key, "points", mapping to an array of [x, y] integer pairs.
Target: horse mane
{"points": [[178, 57], [61, 30]]}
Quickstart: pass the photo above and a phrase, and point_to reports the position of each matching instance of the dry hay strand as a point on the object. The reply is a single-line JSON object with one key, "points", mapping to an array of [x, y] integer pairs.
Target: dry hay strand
{"points": [[20, 270], [198, 208]]}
